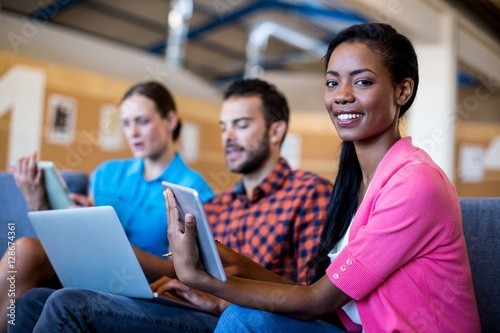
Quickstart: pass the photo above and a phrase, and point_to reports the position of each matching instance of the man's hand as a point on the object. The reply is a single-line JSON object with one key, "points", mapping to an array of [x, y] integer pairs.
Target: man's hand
{"points": [[177, 289], [238, 265], [231, 260]]}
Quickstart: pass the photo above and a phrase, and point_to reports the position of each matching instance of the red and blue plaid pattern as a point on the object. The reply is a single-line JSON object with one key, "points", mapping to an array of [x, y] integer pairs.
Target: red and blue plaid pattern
{"points": [[280, 226]]}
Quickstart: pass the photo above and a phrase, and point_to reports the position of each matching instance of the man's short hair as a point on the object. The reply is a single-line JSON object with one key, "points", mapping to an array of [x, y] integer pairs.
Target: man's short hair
{"points": [[274, 104]]}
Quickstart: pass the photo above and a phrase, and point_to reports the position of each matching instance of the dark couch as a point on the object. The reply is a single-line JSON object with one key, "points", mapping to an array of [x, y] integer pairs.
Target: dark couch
{"points": [[481, 223]]}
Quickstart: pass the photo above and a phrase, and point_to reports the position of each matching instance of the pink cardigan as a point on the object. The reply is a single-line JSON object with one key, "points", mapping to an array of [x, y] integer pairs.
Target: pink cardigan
{"points": [[406, 263]]}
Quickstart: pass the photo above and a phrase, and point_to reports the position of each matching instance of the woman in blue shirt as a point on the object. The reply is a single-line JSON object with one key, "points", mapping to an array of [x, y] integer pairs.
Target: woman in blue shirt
{"points": [[133, 186]]}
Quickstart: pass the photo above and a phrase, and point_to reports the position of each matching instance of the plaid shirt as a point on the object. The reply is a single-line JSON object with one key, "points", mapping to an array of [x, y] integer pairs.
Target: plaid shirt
{"points": [[280, 226]]}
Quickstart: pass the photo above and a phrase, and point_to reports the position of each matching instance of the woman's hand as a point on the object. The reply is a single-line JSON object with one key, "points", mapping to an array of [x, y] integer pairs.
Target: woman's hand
{"points": [[176, 289], [182, 240], [80, 200], [29, 179]]}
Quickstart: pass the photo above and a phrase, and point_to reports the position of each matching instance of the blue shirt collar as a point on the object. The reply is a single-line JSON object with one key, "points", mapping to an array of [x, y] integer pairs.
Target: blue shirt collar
{"points": [[169, 174]]}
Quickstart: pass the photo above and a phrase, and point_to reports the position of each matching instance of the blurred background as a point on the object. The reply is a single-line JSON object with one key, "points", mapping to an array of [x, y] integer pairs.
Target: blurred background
{"points": [[65, 64]]}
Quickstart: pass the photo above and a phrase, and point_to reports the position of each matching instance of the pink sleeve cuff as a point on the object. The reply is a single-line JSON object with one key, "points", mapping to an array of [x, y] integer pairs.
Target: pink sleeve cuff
{"points": [[351, 277]]}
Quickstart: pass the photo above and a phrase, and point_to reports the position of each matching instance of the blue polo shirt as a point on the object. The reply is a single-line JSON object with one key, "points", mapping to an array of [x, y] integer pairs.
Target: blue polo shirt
{"points": [[139, 203]]}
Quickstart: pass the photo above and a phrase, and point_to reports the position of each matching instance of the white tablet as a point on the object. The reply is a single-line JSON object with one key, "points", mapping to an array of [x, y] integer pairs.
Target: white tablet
{"points": [[188, 201], [55, 186], [57, 190]]}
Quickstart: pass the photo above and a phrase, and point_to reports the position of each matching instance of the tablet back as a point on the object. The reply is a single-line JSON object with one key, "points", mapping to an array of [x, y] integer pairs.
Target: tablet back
{"points": [[57, 190], [188, 201]]}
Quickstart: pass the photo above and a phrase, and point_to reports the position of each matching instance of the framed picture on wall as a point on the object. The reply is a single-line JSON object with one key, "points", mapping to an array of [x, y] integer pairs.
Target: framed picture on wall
{"points": [[110, 132], [471, 163], [190, 142], [291, 149], [61, 119]]}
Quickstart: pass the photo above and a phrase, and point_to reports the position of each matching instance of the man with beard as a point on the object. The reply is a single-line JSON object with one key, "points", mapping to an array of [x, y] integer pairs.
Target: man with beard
{"points": [[273, 216]]}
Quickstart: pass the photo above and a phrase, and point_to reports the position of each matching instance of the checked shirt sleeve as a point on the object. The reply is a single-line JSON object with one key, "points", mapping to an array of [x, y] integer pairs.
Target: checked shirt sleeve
{"points": [[309, 224]]}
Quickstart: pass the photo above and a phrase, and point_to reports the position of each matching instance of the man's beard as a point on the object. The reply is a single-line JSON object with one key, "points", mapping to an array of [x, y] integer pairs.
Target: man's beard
{"points": [[255, 157]]}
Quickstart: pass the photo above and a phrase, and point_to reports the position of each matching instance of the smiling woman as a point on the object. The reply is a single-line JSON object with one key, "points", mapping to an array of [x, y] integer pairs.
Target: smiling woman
{"points": [[393, 221], [361, 97]]}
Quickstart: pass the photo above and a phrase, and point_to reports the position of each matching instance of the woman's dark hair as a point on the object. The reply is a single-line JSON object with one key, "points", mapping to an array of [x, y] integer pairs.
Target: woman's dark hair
{"points": [[274, 104], [398, 55], [162, 98]]}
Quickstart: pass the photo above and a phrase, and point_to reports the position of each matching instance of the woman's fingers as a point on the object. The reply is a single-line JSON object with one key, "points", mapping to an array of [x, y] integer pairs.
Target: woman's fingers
{"points": [[182, 240], [31, 166], [173, 217], [80, 200]]}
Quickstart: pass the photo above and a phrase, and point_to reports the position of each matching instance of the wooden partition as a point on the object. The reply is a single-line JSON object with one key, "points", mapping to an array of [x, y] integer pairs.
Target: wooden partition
{"points": [[317, 147], [479, 135], [90, 93]]}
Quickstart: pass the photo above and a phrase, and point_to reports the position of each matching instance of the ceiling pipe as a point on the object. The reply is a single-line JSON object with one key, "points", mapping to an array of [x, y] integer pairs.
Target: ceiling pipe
{"points": [[178, 27], [229, 12], [259, 37]]}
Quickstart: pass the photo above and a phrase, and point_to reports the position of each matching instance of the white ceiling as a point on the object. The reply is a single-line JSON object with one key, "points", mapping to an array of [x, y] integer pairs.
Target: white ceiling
{"points": [[218, 30]]}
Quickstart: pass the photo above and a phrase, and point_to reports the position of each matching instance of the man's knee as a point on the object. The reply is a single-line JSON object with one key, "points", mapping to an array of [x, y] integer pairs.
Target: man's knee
{"points": [[67, 298], [34, 299], [76, 300], [28, 309]]}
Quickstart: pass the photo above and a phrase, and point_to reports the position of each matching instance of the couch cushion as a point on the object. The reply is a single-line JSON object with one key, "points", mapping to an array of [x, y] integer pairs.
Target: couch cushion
{"points": [[77, 181], [481, 223], [13, 208]]}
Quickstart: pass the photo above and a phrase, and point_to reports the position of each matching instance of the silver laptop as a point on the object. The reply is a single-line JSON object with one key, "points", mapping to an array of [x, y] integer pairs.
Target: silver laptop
{"points": [[88, 248]]}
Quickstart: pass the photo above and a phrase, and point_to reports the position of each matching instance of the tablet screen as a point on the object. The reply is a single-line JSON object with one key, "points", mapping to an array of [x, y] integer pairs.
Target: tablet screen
{"points": [[189, 201]]}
